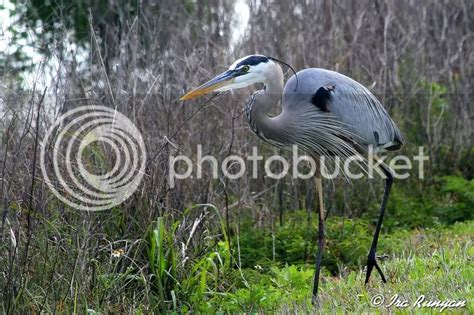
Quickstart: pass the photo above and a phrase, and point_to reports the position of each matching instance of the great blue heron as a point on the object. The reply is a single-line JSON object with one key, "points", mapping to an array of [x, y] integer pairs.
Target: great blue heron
{"points": [[323, 112]]}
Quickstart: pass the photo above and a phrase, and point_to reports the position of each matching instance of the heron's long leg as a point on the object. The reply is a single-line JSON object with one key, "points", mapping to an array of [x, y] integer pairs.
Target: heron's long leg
{"points": [[319, 188], [371, 261]]}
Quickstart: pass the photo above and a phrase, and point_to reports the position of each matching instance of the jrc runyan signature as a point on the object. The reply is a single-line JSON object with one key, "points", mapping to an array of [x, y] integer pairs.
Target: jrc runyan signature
{"points": [[421, 301]]}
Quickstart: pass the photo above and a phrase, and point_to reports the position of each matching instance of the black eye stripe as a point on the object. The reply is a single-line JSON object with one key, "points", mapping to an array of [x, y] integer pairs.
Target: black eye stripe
{"points": [[252, 61], [239, 72]]}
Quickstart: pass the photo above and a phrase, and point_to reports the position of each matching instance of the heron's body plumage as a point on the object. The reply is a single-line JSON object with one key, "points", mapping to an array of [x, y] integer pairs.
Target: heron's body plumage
{"points": [[352, 120], [352, 105]]}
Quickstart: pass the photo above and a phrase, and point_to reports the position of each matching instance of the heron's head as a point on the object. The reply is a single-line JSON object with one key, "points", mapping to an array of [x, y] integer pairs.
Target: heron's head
{"points": [[243, 72]]}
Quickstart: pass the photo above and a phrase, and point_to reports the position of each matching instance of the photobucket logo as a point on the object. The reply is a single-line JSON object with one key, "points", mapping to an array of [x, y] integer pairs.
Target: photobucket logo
{"points": [[355, 167], [93, 158]]}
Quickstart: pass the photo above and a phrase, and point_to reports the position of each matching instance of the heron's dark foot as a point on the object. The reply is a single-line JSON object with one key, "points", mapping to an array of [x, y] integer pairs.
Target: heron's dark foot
{"points": [[371, 263]]}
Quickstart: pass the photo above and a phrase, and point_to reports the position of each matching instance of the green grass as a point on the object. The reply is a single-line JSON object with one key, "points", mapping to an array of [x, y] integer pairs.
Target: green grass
{"points": [[153, 277], [435, 263]]}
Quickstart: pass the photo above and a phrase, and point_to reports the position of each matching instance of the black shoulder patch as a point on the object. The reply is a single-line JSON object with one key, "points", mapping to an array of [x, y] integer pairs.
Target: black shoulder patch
{"points": [[322, 97], [252, 60]]}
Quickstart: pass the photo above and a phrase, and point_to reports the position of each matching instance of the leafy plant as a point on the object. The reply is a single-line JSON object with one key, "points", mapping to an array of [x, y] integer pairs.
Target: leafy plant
{"points": [[460, 204]]}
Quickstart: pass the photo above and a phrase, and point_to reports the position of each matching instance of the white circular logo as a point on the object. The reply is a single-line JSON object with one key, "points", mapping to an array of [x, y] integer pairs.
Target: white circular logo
{"points": [[93, 158]]}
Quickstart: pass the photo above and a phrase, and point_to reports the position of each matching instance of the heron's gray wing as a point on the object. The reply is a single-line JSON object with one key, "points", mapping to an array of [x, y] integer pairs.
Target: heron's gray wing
{"points": [[364, 115], [329, 95]]}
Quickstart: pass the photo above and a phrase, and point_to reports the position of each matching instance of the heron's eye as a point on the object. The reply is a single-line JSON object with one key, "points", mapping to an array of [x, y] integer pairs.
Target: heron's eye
{"points": [[245, 68]]}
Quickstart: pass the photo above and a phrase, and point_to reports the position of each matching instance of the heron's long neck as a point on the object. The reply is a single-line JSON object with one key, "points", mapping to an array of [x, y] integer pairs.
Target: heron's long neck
{"points": [[262, 102]]}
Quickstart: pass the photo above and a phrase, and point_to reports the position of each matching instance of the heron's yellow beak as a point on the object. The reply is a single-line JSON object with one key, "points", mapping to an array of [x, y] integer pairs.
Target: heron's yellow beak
{"points": [[216, 83]]}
